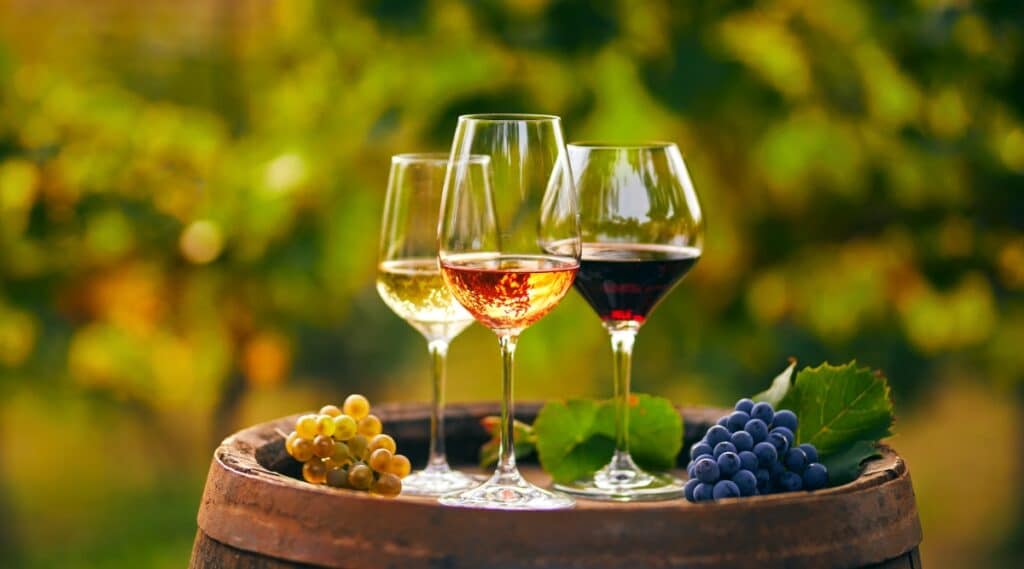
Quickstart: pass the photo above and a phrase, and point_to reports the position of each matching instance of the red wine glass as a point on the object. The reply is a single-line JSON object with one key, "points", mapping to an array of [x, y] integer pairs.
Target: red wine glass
{"points": [[642, 232]]}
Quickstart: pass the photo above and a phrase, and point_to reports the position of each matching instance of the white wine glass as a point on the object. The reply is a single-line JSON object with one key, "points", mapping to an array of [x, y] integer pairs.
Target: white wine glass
{"points": [[509, 250], [409, 281], [642, 231]]}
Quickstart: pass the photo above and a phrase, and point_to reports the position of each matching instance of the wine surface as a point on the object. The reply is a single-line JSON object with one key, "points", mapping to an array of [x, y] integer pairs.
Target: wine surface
{"points": [[509, 292], [624, 281], [415, 290]]}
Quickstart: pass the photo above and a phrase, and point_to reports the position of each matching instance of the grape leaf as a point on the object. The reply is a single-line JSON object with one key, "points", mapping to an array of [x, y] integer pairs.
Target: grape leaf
{"points": [[655, 430], [838, 406], [845, 466], [563, 431], [780, 386], [575, 438], [583, 460]]}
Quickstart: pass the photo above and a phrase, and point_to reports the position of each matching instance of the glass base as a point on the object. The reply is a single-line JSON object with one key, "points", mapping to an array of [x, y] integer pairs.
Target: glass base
{"points": [[436, 481], [625, 482], [508, 491]]}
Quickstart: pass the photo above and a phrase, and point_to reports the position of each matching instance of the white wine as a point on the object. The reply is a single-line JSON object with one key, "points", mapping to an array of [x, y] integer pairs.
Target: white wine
{"points": [[414, 289]]}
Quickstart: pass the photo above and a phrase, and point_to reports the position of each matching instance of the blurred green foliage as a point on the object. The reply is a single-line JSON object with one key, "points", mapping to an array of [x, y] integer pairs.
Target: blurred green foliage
{"points": [[190, 196]]}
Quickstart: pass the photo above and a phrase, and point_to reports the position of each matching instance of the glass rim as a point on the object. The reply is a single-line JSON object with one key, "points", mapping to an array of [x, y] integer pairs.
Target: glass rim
{"points": [[509, 117], [436, 158], [642, 145]]}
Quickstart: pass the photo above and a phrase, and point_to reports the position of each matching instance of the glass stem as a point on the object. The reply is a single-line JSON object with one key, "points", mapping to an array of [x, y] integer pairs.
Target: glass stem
{"points": [[437, 462], [506, 448], [622, 353]]}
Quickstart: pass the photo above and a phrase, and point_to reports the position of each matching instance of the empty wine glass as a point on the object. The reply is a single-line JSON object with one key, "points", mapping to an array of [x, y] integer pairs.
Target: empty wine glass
{"points": [[409, 281], [642, 232], [509, 250]]}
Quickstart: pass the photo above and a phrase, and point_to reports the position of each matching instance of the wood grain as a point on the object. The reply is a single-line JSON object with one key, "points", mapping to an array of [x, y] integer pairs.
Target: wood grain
{"points": [[254, 511]]}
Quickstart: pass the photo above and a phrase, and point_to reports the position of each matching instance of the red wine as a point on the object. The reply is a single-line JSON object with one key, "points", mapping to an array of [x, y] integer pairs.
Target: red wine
{"points": [[624, 281]]}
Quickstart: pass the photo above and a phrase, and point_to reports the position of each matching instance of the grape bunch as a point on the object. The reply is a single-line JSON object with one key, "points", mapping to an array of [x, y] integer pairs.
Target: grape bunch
{"points": [[346, 448], [749, 452]]}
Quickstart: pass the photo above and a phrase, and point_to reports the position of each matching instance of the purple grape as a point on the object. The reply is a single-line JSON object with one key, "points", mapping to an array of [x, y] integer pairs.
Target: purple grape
{"points": [[790, 437], [779, 441], [790, 482], [764, 477], [690, 469], [736, 421], [810, 451], [699, 449], [744, 405], [706, 470], [721, 422], [717, 434], [785, 418], [815, 477], [777, 469], [758, 430], [728, 464], [703, 492], [748, 460], [742, 441], [689, 487], [725, 489], [763, 411], [746, 482], [723, 447], [796, 460], [766, 453]]}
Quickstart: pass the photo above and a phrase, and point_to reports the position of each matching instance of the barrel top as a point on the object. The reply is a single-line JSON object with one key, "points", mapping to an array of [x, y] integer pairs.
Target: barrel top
{"points": [[249, 504]]}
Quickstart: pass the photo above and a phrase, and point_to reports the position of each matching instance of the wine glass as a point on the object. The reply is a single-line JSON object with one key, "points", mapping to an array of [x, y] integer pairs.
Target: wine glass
{"points": [[509, 250], [409, 281], [642, 231]]}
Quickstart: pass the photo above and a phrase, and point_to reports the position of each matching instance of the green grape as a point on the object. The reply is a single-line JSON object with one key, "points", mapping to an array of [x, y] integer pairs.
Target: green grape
{"points": [[314, 472], [289, 442], [306, 427], [340, 451], [357, 447], [331, 410], [399, 466], [338, 478], [382, 441], [370, 426], [356, 406], [360, 476], [333, 463], [323, 446], [387, 485], [339, 456], [380, 459], [302, 450], [325, 425], [345, 427]]}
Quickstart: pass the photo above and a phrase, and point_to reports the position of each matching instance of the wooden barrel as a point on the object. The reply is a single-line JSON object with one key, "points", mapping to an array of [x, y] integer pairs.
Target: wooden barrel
{"points": [[255, 513]]}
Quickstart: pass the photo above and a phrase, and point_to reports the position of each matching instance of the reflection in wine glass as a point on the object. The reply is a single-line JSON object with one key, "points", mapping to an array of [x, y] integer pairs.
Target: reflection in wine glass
{"points": [[509, 250]]}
